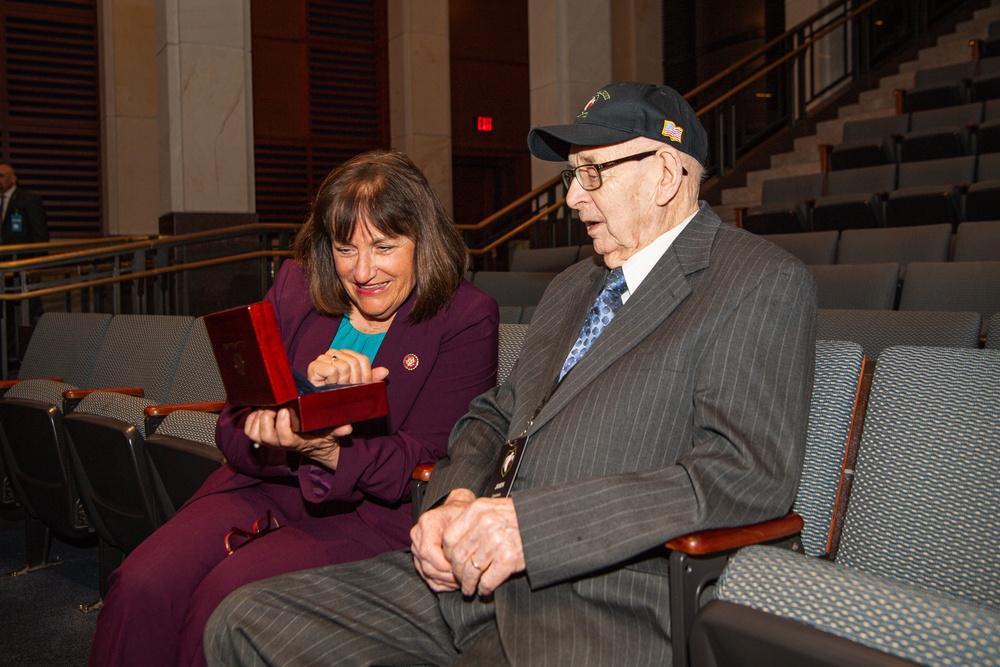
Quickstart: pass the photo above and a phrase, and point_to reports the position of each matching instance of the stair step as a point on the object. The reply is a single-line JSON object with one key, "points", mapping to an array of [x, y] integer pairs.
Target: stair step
{"points": [[873, 103]]}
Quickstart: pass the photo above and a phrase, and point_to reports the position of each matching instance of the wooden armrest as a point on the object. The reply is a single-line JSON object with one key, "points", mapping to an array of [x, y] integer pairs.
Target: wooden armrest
{"points": [[724, 539], [422, 473], [164, 410], [77, 394]]}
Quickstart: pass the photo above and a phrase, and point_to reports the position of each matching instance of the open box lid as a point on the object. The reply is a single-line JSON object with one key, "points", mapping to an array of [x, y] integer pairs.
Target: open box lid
{"points": [[256, 372], [251, 356]]}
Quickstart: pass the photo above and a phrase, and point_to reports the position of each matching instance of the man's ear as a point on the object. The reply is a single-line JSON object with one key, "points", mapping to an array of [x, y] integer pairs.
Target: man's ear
{"points": [[671, 176]]}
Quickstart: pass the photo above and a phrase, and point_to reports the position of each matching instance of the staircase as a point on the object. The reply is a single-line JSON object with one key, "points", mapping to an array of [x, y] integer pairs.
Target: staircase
{"points": [[805, 156]]}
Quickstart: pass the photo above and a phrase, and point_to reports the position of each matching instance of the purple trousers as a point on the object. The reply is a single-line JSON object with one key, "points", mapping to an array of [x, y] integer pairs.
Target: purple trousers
{"points": [[161, 597]]}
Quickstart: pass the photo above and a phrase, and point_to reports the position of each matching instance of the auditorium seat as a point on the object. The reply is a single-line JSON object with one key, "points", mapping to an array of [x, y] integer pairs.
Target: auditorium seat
{"points": [[940, 133], [914, 580], [544, 259], [810, 247], [696, 560], [901, 245], [510, 314], [138, 353], [62, 345], [993, 333], [514, 288], [930, 192], [876, 330], [785, 204], [978, 241], [854, 198], [856, 286], [985, 85], [952, 286], [988, 135], [936, 87], [982, 199], [106, 438], [869, 141], [586, 250]]}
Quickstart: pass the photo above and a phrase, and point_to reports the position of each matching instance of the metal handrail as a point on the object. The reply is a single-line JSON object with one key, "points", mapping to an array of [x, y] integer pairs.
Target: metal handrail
{"points": [[808, 43], [530, 222], [516, 204], [130, 263], [140, 275], [802, 40]]}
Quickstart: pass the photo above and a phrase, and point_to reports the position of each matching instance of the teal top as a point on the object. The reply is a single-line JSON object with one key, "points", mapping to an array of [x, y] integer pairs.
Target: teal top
{"points": [[350, 338]]}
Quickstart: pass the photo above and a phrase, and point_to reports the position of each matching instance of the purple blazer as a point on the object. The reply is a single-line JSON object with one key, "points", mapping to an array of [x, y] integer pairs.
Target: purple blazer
{"points": [[455, 355]]}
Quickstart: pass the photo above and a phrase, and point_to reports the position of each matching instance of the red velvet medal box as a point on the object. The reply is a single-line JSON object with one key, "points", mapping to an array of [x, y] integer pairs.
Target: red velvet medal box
{"points": [[256, 372]]}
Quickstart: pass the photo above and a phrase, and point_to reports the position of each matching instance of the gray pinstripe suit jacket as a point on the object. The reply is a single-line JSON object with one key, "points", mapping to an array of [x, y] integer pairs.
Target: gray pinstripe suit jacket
{"points": [[689, 412]]}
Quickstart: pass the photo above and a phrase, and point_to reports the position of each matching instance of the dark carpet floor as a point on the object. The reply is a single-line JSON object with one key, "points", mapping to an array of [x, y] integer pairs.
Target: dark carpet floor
{"points": [[40, 623]]}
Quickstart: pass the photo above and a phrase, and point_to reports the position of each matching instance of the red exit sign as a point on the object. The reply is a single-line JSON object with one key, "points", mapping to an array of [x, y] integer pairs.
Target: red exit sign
{"points": [[484, 123]]}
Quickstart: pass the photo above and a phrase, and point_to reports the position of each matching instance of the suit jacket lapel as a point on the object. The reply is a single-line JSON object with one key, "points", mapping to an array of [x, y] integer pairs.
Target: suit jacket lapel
{"points": [[661, 292]]}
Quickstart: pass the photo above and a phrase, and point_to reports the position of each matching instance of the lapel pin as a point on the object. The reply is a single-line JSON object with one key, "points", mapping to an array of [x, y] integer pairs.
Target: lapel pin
{"points": [[410, 362]]}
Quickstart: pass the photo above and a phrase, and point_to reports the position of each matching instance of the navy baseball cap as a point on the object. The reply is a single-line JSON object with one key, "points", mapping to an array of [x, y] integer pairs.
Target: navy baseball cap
{"points": [[622, 111]]}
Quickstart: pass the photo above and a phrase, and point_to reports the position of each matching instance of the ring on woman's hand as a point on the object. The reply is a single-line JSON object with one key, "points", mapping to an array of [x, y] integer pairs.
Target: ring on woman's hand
{"points": [[472, 559], [333, 357]]}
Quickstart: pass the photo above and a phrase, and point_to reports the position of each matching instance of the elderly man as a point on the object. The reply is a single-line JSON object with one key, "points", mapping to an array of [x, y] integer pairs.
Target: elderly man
{"points": [[664, 392]]}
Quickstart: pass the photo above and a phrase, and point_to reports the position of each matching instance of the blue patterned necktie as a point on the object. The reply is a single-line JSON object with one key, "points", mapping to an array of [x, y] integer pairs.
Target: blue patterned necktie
{"points": [[600, 315]]}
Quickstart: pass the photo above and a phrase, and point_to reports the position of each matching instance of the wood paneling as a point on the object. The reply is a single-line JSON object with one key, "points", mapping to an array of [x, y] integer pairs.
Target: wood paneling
{"points": [[320, 95], [50, 109]]}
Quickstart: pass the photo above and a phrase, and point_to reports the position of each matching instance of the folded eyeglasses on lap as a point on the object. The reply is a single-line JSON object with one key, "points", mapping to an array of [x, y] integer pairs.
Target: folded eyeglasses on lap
{"points": [[238, 538]]}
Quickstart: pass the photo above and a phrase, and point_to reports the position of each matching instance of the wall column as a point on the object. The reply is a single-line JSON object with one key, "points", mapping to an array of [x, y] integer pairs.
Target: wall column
{"points": [[206, 121], [570, 59], [206, 143], [131, 186], [420, 88]]}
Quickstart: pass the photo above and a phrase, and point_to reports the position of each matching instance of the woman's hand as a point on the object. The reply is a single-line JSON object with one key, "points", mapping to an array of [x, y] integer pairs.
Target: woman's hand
{"points": [[274, 429], [344, 367]]}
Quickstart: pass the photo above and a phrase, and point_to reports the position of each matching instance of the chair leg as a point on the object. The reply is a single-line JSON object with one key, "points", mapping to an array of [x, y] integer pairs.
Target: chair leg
{"points": [[109, 557], [690, 578], [37, 541]]}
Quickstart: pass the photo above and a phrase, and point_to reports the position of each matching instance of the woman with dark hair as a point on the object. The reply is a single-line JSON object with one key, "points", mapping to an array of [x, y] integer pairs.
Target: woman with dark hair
{"points": [[376, 292]]}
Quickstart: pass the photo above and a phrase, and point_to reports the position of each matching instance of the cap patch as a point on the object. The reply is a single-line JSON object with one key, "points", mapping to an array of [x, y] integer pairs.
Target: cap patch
{"points": [[671, 131], [605, 95]]}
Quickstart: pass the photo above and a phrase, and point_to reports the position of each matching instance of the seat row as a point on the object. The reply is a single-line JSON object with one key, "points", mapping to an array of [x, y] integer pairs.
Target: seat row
{"points": [[842, 377], [935, 286], [973, 80], [970, 242], [109, 460], [833, 426], [948, 131], [905, 580], [75, 426], [946, 190]]}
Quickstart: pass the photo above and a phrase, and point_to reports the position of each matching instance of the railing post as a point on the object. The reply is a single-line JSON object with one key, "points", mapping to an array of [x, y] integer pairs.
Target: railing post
{"points": [[799, 68], [721, 142], [137, 298]]}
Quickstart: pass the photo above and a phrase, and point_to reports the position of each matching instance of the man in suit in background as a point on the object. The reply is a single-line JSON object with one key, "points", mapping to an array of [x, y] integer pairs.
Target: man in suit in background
{"points": [[22, 220], [541, 538]]}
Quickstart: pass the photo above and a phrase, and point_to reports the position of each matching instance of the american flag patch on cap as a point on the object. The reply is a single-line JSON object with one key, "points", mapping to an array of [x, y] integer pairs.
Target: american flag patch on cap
{"points": [[672, 131]]}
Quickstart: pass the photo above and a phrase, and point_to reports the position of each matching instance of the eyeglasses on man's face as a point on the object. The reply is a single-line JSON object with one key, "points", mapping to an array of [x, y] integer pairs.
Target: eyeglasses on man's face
{"points": [[589, 175]]}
